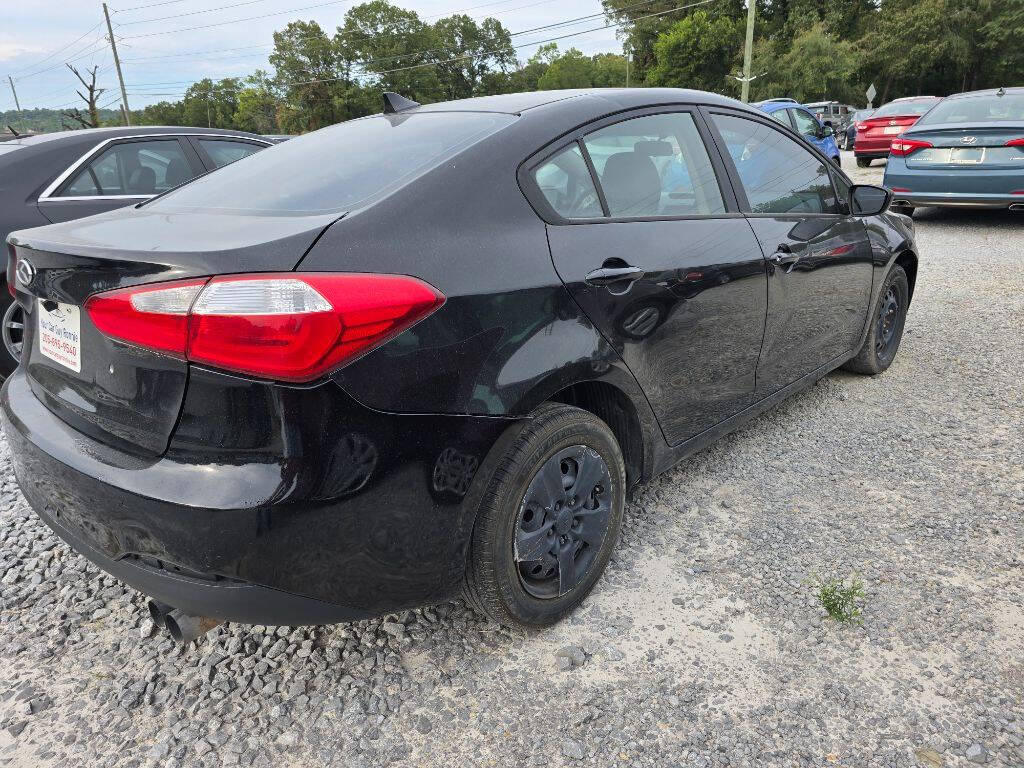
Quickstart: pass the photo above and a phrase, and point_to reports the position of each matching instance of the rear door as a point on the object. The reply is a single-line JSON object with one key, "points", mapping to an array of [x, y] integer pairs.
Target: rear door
{"points": [[119, 173], [649, 241], [819, 258]]}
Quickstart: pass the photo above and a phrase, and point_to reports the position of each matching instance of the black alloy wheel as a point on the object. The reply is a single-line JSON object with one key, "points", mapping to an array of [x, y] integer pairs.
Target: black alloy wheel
{"points": [[563, 520], [548, 520]]}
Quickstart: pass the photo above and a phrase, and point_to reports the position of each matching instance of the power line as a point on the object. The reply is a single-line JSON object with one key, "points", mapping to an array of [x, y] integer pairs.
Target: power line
{"points": [[472, 55], [362, 64], [237, 21], [148, 5], [54, 53], [191, 13], [94, 47]]}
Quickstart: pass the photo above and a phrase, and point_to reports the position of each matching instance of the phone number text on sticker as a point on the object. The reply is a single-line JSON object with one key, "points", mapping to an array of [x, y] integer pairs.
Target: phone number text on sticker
{"points": [[60, 337]]}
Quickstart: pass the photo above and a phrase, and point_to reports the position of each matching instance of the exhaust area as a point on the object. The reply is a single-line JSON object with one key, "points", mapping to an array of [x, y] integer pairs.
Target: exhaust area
{"points": [[184, 627]]}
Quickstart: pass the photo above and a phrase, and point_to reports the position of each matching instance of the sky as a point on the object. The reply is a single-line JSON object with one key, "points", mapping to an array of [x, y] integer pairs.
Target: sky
{"points": [[160, 56]]}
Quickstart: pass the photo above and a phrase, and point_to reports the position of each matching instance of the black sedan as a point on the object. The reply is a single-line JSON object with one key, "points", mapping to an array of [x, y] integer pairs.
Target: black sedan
{"points": [[432, 351], [52, 177]]}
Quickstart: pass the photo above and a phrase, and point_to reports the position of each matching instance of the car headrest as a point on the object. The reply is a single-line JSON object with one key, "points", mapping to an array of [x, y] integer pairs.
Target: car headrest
{"points": [[142, 181], [631, 184]]}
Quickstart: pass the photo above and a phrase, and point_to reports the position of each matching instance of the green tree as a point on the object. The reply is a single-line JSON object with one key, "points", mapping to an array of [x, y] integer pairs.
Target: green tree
{"points": [[470, 54], [211, 104], [306, 66], [697, 52], [387, 47], [257, 104], [570, 70]]}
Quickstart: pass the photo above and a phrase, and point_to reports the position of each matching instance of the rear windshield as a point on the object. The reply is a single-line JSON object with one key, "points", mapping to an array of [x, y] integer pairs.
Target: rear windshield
{"points": [[904, 108], [336, 168], [978, 109]]}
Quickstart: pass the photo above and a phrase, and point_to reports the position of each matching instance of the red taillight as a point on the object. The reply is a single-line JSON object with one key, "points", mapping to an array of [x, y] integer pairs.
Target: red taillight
{"points": [[1015, 143], [288, 327], [903, 147], [12, 263]]}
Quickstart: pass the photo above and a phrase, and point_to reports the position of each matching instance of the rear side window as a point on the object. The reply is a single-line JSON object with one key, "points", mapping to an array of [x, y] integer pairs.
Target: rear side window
{"points": [[222, 152], [336, 168], [778, 174], [566, 184], [136, 168], [656, 165]]}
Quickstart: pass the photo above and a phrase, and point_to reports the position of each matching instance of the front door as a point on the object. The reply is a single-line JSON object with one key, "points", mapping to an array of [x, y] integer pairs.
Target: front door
{"points": [[659, 259], [819, 257]]}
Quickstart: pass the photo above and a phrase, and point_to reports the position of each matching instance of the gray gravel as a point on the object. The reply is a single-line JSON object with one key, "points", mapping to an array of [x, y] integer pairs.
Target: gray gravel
{"points": [[703, 645]]}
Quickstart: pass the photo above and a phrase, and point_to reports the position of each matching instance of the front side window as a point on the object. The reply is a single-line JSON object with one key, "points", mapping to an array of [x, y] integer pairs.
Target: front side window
{"points": [[804, 123], [566, 184], [135, 168], [222, 152], [656, 165], [777, 173]]}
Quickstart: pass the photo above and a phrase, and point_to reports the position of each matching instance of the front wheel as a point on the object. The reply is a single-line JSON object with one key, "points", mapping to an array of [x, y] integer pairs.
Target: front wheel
{"points": [[906, 210], [887, 321], [550, 519], [863, 162]]}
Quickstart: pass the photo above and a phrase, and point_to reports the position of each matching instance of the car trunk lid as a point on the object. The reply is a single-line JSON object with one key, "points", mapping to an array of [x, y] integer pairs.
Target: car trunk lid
{"points": [[957, 145], [114, 392]]}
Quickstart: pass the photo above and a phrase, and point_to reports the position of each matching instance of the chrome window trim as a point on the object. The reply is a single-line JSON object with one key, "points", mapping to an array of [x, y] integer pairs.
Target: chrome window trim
{"points": [[47, 194]]}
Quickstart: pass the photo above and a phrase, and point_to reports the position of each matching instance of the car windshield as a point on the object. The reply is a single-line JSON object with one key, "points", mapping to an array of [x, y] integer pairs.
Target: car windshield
{"points": [[978, 109], [904, 108], [336, 168]]}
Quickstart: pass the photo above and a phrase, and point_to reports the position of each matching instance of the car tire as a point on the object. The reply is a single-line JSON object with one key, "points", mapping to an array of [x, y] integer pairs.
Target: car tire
{"points": [[863, 162], [888, 317], [537, 550], [11, 315], [906, 210], [838, 161]]}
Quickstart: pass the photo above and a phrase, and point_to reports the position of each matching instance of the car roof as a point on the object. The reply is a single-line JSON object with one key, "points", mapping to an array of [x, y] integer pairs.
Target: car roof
{"points": [[775, 106], [517, 103], [986, 92], [100, 134]]}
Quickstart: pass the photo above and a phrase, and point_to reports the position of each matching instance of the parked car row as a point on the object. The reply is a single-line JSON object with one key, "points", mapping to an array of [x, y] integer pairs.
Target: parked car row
{"points": [[800, 119]]}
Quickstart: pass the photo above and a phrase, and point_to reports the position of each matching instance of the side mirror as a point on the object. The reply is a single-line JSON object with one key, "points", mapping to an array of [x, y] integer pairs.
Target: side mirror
{"points": [[827, 130], [868, 200]]}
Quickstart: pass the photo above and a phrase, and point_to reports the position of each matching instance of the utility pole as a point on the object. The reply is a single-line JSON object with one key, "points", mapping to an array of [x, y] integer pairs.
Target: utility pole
{"points": [[627, 68], [11, 81], [748, 50], [117, 65]]}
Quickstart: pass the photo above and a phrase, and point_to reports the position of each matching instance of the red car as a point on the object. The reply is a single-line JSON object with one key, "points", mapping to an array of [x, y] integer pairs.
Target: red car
{"points": [[875, 135]]}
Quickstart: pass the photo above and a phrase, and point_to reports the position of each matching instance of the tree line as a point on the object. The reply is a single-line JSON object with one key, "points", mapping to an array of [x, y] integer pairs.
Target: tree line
{"points": [[809, 50]]}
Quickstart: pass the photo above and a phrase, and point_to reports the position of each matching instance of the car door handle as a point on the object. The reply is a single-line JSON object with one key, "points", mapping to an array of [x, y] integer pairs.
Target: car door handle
{"points": [[784, 255], [610, 275]]}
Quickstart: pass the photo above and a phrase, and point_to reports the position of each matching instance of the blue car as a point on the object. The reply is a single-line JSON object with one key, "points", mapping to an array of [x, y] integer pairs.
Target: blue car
{"points": [[965, 152], [800, 119]]}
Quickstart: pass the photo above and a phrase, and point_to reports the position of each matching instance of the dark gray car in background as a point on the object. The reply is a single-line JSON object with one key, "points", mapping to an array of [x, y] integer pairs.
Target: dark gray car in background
{"points": [[53, 177]]}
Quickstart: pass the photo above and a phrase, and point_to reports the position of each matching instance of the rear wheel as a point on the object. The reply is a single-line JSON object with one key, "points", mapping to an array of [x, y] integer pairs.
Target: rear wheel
{"points": [[550, 519], [12, 328], [838, 161], [906, 210], [863, 162], [887, 320]]}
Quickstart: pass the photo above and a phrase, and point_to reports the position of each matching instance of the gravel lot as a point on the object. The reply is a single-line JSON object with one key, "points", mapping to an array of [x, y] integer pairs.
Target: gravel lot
{"points": [[704, 645]]}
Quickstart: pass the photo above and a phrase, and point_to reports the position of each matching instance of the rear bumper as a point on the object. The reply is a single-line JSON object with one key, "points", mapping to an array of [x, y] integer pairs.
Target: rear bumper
{"points": [[953, 188], [294, 531]]}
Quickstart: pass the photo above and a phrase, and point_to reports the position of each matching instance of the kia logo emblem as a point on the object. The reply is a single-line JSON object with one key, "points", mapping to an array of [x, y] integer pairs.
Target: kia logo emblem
{"points": [[25, 272], [968, 139]]}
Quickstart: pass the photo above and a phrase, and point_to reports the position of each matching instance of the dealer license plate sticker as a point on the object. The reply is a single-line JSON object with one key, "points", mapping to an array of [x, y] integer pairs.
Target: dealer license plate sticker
{"points": [[60, 337], [891, 129]]}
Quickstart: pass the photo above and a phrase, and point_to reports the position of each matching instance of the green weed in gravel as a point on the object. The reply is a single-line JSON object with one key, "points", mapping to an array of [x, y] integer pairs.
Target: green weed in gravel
{"points": [[841, 602]]}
